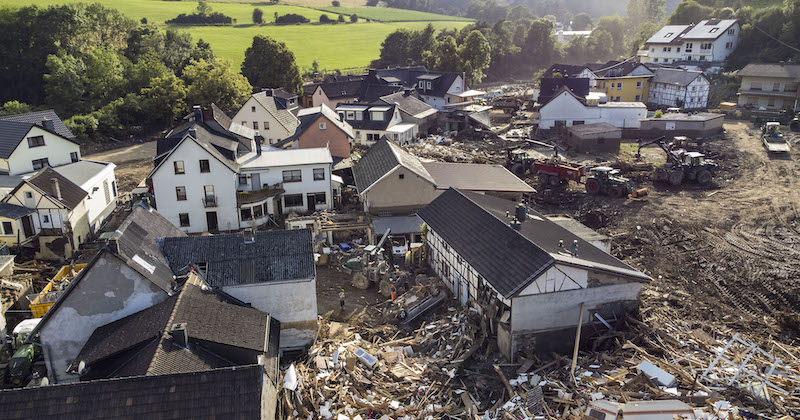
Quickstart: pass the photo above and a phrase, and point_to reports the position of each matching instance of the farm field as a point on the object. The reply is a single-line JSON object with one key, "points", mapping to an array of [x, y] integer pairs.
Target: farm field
{"points": [[335, 46]]}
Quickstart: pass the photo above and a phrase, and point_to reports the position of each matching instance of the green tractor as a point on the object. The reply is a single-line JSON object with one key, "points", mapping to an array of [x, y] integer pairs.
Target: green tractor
{"points": [[606, 180], [20, 366]]}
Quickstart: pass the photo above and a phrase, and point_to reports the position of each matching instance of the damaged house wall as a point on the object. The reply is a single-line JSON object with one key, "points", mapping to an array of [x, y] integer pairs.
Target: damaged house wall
{"points": [[287, 301], [107, 290], [401, 191]]}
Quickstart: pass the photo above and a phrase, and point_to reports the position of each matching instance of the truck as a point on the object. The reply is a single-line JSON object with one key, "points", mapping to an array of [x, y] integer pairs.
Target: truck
{"points": [[552, 172], [772, 138]]}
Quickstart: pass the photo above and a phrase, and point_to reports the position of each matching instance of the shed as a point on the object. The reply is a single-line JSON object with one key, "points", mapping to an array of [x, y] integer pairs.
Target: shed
{"points": [[597, 137], [700, 124]]}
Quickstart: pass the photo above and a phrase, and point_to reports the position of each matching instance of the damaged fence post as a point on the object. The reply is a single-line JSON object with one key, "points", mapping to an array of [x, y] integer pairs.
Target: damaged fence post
{"points": [[577, 345]]}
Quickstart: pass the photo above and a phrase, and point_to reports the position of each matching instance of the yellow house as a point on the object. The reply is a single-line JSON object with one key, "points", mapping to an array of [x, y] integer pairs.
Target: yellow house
{"points": [[625, 88]]}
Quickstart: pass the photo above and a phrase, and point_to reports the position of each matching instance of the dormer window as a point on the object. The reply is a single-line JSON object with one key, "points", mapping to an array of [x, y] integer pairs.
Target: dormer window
{"points": [[669, 35], [351, 115], [377, 116], [429, 86], [341, 116], [713, 30]]}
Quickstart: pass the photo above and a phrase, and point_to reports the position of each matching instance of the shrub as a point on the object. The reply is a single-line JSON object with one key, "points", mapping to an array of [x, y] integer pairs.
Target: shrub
{"points": [[372, 3], [335, 3], [258, 16], [324, 19], [354, 18], [341, 18], [291, 18], [658, 114], [83, 126], [215, 18]]}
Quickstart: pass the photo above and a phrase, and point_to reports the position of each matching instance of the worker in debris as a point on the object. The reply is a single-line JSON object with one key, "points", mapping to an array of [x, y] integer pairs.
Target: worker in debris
{"points": [[393, 291], [341, 300]]}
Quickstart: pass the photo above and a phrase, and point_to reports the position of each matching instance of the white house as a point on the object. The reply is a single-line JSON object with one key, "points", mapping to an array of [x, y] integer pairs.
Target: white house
{"points": [[687, 89], [531, 277], [566, 109], [271, 113], [206, 181], [31, 141], [704, 45], [98, 180], [371, 122]]}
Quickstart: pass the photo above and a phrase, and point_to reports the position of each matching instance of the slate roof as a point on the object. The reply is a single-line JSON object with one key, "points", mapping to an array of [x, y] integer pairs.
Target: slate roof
{"points": [[781, 71], [342, 89], [616, 68], [214, 324], [136, 244], [367, 123], [676, 76], [272, 256], [277, 108], [475, 177], [703, 30], [440, 86], [9, 181], [13, 211], [380, 159], [668, 34], [71, 194], [409, 104], [308, 116], [11, 134], [221, 393], [223, 148], [372, 92], [550, 88], [566, 70], [476, 227], [37, 117]]}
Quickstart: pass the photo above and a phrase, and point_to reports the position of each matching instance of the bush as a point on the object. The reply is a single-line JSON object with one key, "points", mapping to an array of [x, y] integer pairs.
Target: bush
{"points": [[335, 3], [215, 18], [258, 16], [83, 126], [341, 18], [372, 3], [324, 19], [353, 18], [291, 18], [658, 114]]}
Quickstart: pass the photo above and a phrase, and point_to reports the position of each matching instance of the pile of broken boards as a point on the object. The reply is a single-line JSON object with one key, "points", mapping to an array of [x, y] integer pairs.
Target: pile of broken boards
{"points": [[356, 372]]}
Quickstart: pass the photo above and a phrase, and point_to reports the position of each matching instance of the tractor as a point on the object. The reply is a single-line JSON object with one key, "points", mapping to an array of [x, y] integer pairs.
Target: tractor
{"points": [[606, 180], [519, 162], [681, 165], [552, 172]]}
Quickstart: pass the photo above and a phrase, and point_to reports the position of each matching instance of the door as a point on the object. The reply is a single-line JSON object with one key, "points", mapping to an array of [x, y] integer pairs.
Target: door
{"points": [[463, 290], [312, 203], [256, 179], [27, 226], [211, 220]]}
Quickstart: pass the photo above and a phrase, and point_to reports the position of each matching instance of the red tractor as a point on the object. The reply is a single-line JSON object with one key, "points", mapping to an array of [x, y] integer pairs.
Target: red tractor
{"points": [[552, 172]]}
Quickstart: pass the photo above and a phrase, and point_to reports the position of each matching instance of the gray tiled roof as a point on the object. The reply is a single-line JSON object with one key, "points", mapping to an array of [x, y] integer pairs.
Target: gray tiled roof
{"points": [[81, 171], [13, 211], [272, 256], [381, 158], [475, 177], [566, 70], [676, 76], [476, 227], [71, 194], [277, 110], [407, 103], [342, 89], [220, 147], [11, 134], [37, 117], [232, 393], [783, 71]]}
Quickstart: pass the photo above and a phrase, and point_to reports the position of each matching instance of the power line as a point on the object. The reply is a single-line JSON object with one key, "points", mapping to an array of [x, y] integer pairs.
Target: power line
{"points": [[776, 39]]}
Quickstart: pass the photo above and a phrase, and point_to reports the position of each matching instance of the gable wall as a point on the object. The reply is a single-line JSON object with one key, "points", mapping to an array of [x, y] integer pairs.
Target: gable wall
{"points": [[399, 196], [336, 139], [276, 131], [55, 149]]}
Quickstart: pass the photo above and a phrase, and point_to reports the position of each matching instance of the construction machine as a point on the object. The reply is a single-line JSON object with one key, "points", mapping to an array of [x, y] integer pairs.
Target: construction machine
{"points": [[606, 180], [772, 138], [374, 265], [552, 172], [681, 165], [794, 125]]}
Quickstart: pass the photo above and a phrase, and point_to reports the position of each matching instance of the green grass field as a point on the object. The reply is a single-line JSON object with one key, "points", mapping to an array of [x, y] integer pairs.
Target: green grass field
{"points": [[386, 14], [335, 46]]}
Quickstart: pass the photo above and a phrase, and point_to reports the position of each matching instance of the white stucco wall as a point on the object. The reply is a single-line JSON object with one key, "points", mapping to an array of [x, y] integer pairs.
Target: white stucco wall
{"points": [[276, 131], [56, 149], [220, 176], [274, 175], [98, 204], [109, 291], [290, 301]]}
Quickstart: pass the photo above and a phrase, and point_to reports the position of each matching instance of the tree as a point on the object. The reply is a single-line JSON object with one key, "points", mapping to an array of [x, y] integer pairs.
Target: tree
{"points": [[216, 82], [420, 41], [142, 72], [335, 3], [475, 56], [258, 16], [615, 26], [641, 11], [689, 12], [270, 64], [203, 8], [324, 19], [446, 56], [14, 107], [372, 3], [519, 12], [394, 49], [551, 18], [166, 98], [340, 18], [646, 30], [539, 44], [582, 22], [353, 18]]}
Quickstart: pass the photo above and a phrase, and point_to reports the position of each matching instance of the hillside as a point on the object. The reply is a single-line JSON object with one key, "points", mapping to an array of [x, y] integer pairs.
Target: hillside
{"points": [[336, 46]]}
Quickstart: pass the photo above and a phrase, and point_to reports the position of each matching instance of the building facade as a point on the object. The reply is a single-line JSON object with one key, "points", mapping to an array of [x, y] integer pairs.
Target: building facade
{"points": [[708, 43], [566, 110], [271, 113], [770, 86], [679, 88]]}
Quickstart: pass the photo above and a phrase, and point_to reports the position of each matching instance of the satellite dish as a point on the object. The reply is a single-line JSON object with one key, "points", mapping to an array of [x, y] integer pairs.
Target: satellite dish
{"points": [[45, 381], [81, 368]]}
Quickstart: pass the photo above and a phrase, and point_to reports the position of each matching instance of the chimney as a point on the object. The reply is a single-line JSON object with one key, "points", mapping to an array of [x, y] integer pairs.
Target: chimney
{"points": [[48, 125], [198, 113], [269, 92], [574, 250], [180, 334], [56, 187], [561, 246], [259, 141], [516, 225], [521, 212]]}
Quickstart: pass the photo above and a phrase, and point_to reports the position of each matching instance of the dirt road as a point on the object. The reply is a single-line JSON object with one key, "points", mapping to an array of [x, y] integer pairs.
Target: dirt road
{"points": [[133, 163]]}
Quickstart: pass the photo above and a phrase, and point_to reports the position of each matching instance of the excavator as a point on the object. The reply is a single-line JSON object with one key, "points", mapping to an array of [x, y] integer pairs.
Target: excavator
{"points": [[681, 165], [370, 266]]}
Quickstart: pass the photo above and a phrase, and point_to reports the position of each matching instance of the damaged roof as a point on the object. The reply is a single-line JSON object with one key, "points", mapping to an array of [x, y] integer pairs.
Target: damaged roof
{"points": [[229, 392], [71, 194], [409, 104], [476, 227], [382, 158], [237, 259], [277, 107], [475, 177]]}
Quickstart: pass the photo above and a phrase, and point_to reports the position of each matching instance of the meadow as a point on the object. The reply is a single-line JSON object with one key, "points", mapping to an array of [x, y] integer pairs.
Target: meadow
{"points": [[335, 46]]}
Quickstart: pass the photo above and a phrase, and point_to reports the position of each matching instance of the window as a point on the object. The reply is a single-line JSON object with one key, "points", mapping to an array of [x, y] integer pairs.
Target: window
{"points": [[293, 176], [731, 31], [613, 85], [358, 134], [242, 179], [244, 123], [184, 219], [36, 141], [713, 30], [341, 115], [351, 115], [771, 102], [372, 137], [255, 125], [401, 176], [8, 228], [320, 198], [619, 86], [755, 85], [579, 122], [655, 60], [669, 34], [258, 211], [639, 85], [729, 45], [179, 169], [247, 214], [266, 125], [252, 109], [319, 174], [428, 86], [114, 188], [377, 116], [180, 193], [208, 190], [638, 98], [293, 200], [689, 46], [205, 166], [678, 49], [40, 163], [705, 46], [790, 87], [106, 192], [28, 194], [776, 87], [45, 218], [323, 125], [74, 157]]}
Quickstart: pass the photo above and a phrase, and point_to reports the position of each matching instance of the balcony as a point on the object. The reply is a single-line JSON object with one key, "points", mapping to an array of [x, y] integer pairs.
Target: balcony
{"points": [[210, 201], [255, 196]]}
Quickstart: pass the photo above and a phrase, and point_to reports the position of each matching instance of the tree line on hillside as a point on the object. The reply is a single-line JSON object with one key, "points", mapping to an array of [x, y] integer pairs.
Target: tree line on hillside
{"points": [[109, 76], [492, 10]]}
